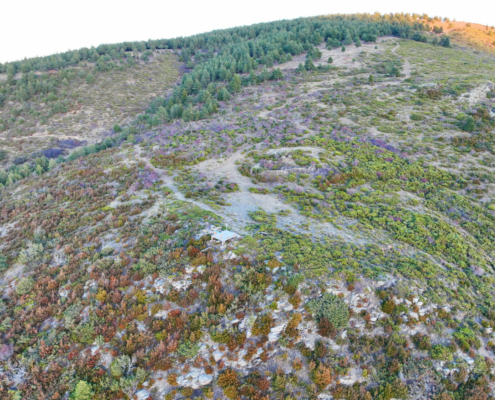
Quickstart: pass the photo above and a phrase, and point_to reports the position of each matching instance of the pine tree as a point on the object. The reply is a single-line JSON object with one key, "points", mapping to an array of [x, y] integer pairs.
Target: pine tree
{"points": [[445, 41], [196, 87], [277, 74], [308, 65], [253, 79], [188, 84], [235, 84], [223, 95], [188, 114], [264, 76], [347, 38]]}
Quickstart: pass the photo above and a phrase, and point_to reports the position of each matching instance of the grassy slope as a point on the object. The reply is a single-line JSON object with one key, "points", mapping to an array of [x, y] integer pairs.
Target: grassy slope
{"points": [[115, 97]]}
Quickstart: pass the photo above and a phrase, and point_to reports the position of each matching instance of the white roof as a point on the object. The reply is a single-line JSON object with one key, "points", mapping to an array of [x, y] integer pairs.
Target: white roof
{"points": [[223, 236]]}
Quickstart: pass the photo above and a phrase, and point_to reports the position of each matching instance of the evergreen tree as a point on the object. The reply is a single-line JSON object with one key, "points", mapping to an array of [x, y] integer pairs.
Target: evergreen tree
{"points": [[176, 111], [308, 65], [264, 76], [370, 80], [188, 84], [235, 84], [330, 60], [444, 41], [347, 38], [253, 79], [162, 114], [277, 74], [188, 114], [183, 96], [196, 87], [223, 95]]}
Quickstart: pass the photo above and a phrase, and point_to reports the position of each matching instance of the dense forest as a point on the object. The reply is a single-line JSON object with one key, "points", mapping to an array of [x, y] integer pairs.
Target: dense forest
{"points": [[212, 59]]}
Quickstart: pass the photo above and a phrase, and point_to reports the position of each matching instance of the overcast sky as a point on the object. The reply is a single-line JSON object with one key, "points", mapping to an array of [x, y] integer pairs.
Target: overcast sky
{"points": [[31, 28]]}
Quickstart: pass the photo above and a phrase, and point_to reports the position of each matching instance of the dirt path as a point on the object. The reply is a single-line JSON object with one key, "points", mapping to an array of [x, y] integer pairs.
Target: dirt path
{"points": [[241, 203], [407, 64]]}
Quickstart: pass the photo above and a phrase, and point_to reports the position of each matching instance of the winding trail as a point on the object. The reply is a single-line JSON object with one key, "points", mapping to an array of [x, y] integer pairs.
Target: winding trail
{"points": [[241, 203], [407, 64]]}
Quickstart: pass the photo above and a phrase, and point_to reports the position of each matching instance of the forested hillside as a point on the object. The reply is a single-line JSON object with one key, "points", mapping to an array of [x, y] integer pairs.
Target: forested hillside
{"points": [[300, 209]]}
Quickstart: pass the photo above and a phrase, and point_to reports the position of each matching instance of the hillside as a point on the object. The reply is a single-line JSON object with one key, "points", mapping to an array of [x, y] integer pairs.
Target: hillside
{"points": [[294, 210]]}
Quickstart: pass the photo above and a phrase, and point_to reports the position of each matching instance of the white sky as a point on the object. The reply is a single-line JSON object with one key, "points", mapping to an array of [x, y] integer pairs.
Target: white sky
{"points": [[31, 28]]}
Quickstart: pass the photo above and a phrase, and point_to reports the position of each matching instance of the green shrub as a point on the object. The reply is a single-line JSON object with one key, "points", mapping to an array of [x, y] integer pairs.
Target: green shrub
{"points": [[468, 124], [24, 286], [106, 251], [3, 263], [441, 352], [83, 391], [466, 339], [188, 349], [387, 129], [330, 307], [146, 268], [417, 117], [388, 306]]}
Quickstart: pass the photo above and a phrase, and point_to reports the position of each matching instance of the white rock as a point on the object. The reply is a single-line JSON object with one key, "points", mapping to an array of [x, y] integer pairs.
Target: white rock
{"points": [[204, 379], [160, 285], [217, 355], [195, 378], [275, 332], [190, 269], [182, 284], [143, 394], [161, 314], [241, 363]]}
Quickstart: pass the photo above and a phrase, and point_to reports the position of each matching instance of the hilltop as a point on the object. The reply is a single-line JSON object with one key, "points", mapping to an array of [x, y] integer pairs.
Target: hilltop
{"points": [[290, 210]]}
